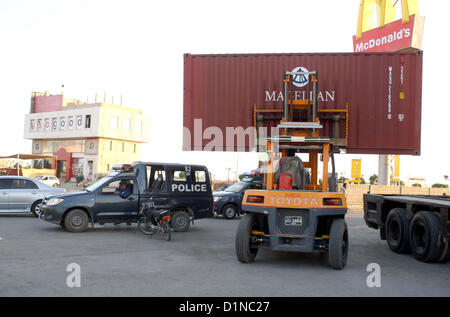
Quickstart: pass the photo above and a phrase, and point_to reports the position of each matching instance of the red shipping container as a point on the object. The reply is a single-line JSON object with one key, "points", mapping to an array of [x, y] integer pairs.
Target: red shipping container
{"points": [[383, 92]]}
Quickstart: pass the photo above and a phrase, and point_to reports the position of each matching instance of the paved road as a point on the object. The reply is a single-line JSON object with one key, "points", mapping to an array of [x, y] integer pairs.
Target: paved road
{"points": [[120, 261]]}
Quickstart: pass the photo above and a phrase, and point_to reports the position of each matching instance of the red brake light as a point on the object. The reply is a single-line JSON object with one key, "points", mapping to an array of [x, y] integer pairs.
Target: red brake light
{"points": [[255, 199], [332, 201], [126, 168], [166, 218]]}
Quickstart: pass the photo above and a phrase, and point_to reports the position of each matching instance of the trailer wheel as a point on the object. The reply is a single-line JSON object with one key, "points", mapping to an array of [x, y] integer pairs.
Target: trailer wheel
{"points": [[445, 255], [338, 244], [244, 252], [424, 237], [397, 231]]}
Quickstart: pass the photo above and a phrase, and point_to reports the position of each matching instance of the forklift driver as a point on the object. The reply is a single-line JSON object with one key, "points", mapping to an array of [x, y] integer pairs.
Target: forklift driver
{"points": [[292, 165]]}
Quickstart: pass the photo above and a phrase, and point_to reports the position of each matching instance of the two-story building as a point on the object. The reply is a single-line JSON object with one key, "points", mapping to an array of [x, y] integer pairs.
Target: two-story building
{"points": [[85, 138]]}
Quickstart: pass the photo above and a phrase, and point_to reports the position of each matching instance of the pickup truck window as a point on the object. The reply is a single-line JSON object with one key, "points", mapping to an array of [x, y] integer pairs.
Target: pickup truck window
{"points": [[200, 176], [114, 186], [98, 184], [179, 176]]}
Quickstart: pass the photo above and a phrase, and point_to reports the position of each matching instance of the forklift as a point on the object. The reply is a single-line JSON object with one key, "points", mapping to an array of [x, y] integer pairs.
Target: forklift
{"points": [[283, 217]]}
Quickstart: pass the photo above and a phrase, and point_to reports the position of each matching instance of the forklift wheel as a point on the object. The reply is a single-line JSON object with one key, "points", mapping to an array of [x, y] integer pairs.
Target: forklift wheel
{"points": [[338, 244], [244, 252]]}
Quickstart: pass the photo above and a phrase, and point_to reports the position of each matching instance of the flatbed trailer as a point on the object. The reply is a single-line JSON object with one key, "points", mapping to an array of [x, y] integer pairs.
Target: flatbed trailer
{"points": [[416, 224]]}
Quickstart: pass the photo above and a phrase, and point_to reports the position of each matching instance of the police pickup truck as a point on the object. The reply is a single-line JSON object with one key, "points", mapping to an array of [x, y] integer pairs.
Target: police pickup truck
{"points": [[183, 189]]}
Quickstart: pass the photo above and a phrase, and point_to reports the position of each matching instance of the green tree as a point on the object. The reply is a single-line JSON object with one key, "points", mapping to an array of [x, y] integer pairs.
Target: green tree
{"points": [[342, 179], [373, 179], [437, 185], [363, 181]]}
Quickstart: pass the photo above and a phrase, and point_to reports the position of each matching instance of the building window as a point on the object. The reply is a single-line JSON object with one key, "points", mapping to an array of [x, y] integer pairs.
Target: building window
{"points": [[71, 123], [74, 146], [47, 124], [54, 124], [126, 125], [62, 123], [31, 125], [88, 121], [138, 126], [79, 122], [114, 123]]}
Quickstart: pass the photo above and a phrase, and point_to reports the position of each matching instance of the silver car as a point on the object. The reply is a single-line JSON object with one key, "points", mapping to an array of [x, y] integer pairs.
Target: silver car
{"points": [[20, 194]]}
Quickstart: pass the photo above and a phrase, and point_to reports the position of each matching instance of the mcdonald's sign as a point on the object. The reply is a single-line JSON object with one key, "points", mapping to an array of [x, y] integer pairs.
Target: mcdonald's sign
{"points": [[386, 34]]}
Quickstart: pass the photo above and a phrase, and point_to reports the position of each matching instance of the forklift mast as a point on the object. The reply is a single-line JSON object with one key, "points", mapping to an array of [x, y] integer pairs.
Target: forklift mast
{"points": [[302, 135]]}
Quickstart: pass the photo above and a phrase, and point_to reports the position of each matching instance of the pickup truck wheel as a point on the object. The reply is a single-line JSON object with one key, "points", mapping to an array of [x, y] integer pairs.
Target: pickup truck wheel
{"points": [[397, 231], [424, 237], [229, 211], [338, 244], [244, 251], [76, 221], [36, 208], [180, 221]]}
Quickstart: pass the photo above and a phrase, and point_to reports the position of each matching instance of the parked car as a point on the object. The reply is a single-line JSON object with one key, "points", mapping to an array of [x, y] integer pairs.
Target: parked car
{"points": [[184, 190], [49, 180], [229, 202], [19, 194]]}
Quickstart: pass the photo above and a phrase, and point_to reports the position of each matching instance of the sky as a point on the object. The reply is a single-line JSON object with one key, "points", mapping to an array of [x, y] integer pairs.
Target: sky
{"points": [[135, 49]]}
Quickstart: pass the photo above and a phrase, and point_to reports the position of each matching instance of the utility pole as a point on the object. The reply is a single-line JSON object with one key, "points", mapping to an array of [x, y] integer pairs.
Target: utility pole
{"points": [[228, 173]]}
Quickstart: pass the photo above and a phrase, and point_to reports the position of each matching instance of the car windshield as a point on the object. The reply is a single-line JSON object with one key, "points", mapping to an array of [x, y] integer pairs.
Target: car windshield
{"points": [[236, 187], [98, 184], [39, 177]]}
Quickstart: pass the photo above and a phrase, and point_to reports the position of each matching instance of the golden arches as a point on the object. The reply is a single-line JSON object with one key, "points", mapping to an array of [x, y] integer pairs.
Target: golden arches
{"points": [[385, 11]]}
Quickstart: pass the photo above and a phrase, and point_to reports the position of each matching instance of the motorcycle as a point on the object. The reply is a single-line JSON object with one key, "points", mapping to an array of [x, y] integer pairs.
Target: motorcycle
{"points": [[152, 220]]}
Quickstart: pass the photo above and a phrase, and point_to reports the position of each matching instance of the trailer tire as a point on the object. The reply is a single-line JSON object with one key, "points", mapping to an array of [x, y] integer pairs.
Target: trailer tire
{"points": [[397, 231], [338, 244], [424, 237], [244, 252], [445, 255]]}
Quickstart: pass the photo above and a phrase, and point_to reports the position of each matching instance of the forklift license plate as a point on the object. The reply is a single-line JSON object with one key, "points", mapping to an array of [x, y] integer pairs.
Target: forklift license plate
{"points": [[293, 221]]}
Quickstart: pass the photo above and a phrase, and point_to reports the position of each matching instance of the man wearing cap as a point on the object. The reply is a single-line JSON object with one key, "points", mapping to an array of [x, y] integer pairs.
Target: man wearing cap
{"points": [[123, 190]]}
